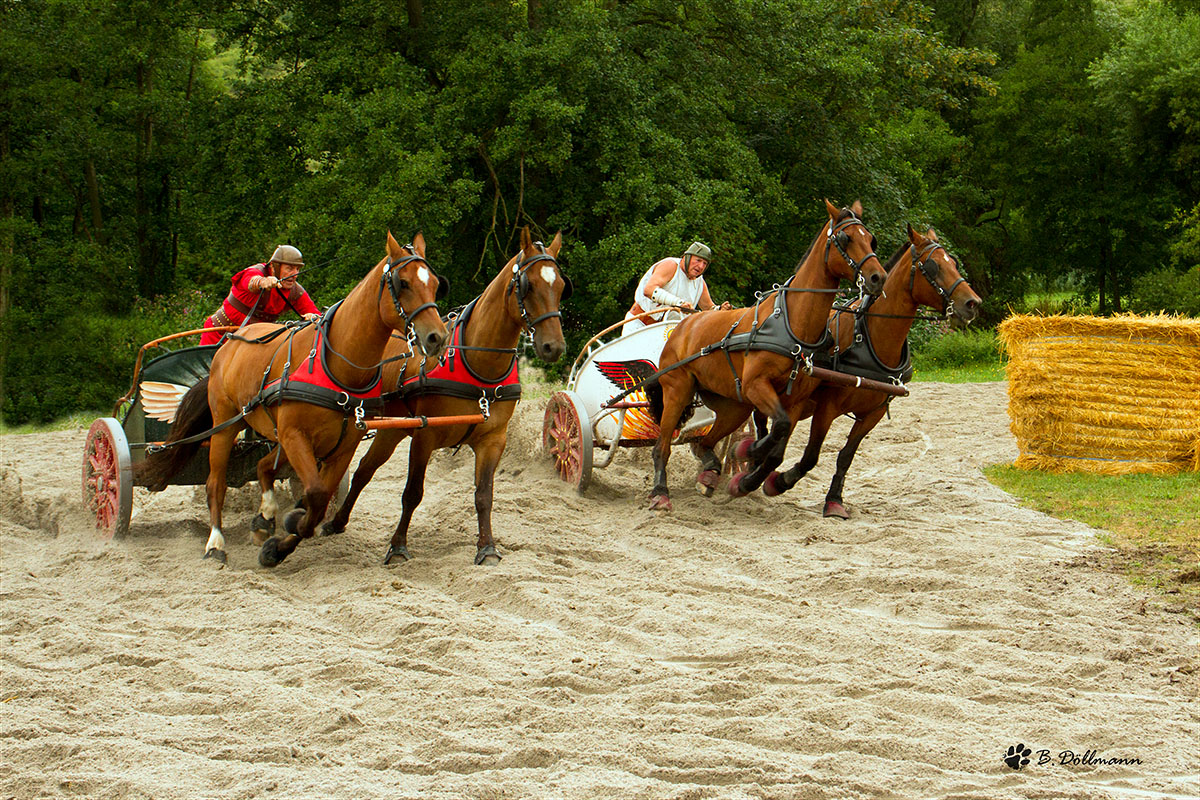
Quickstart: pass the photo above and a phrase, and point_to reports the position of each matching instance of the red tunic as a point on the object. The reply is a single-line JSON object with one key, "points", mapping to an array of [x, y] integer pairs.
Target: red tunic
{"points": [[241, 299]]}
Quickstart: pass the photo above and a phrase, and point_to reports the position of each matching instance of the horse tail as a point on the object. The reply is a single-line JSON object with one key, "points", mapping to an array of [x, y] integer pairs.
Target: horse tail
{"points": [[193, 416], [654, 393]]}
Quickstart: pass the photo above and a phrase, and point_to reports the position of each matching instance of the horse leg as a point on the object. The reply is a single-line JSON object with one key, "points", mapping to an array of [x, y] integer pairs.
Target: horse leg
{"points": [[859, 431], [768, 451], [219, 448], [487, 457], [729, 417], [779, 482], [263, 525], [677, 389], [414, 490], [301, 521], [381, 449], [760, 423]]}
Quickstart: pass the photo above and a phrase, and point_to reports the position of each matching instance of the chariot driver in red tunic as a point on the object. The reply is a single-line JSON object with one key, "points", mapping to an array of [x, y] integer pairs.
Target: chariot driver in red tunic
{"points": [[262, 292], [672, 283]]}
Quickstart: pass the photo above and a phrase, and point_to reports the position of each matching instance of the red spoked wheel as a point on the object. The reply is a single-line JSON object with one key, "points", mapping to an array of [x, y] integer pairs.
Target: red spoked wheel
{"points": [[108, 477], [567, 438], [732, 465]]}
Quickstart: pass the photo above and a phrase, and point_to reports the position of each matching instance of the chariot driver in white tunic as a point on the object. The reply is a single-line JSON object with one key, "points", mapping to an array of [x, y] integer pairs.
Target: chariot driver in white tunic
{"points": [[672, 283]]}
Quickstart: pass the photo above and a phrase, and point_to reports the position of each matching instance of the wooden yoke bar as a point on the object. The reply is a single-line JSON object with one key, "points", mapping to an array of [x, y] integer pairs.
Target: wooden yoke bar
{"points": [[843, 379], [423, 422]]}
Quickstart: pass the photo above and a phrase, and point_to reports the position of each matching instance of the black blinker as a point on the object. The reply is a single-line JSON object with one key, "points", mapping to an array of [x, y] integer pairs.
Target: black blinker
{"points": [[566, 292], [443, 288]]}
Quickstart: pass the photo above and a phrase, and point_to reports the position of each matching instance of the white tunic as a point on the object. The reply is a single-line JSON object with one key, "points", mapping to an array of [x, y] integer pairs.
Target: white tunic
{"points": [[680, 285]]}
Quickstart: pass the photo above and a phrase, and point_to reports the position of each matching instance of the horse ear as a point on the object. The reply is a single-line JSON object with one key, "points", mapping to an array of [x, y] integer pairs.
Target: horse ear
{"points": [[418, 244], [832, 209], [931, 235], [555, 245], [913, 236], [856, 207], [526, 240], [393, 247]]}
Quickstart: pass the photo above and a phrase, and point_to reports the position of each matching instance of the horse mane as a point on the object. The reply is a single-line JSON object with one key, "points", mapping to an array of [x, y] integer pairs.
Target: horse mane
{"points": [[891, 262]]}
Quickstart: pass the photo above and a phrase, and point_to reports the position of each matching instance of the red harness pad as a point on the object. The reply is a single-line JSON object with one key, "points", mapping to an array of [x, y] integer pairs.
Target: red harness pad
{"points": [[451, 370]]}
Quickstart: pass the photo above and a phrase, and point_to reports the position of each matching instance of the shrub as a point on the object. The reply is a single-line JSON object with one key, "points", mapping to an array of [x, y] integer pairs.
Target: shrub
{"points": [[1167, 290], [957, 349]]}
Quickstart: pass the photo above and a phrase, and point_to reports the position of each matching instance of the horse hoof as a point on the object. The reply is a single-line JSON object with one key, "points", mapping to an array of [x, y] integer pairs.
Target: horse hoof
{"points": [[291, 523], [263, 525], [773, 486], [216, 555], [706, 482], [660, 502], [735, 485], [742, 451], [331, 528], [396, 551], [838, 510], [487, 556], [269, 555]]}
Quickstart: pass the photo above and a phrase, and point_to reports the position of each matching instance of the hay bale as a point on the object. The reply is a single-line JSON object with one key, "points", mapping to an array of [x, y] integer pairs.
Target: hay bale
{"points": [[1109, 395]]}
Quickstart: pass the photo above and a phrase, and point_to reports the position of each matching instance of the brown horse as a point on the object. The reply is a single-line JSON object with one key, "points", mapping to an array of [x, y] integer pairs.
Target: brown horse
{"points": [[748, 358], [309, 417], [524, 296], [883, 329]]}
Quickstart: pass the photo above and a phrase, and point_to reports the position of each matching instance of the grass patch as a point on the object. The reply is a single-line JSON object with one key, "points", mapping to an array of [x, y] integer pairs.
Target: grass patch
{"points": [[71, 422], [966, 356], [1152, 522], [968, 373]]}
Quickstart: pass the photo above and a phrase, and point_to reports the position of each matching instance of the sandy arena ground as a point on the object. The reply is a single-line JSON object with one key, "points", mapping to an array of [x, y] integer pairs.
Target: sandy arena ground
{"points": [[741, 648]]}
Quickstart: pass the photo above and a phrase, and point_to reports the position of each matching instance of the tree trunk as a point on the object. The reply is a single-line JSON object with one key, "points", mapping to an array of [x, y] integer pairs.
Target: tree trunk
{"points": [[534, 17], [93, 190], [7, 240], [416, 9], [147, 251], [1108, 274]]}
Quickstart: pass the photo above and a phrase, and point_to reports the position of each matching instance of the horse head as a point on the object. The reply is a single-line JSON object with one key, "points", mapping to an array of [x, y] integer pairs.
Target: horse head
{"points": [[944, 287], [850, 249], [412, 292], [534, 294]]}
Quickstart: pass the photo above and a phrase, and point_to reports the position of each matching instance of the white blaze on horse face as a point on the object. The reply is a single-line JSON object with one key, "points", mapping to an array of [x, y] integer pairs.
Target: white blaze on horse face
{"points": [[549, 274], [423, 274], [215, 540], [267, 506]]}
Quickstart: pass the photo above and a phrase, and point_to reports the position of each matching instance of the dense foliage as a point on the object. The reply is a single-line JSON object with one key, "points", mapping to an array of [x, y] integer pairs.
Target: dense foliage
{"points": [[151, 149]]}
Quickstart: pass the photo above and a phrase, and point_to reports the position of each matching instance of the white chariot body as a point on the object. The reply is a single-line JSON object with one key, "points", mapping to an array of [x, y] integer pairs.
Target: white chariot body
{"points": [[579, 420]]}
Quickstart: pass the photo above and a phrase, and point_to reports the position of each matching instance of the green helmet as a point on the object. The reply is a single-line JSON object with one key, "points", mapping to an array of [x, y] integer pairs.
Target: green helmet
{"points": [[696, 249]]}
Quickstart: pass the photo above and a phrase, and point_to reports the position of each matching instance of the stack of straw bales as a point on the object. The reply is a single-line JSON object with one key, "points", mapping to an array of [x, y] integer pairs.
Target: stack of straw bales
{"points": [[1105, 395]]}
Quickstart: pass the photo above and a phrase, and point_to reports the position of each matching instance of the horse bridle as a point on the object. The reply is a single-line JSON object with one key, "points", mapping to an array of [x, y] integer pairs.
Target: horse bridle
{"points": [[519, 285], [391, 273], [838, 238], [923, 261]]}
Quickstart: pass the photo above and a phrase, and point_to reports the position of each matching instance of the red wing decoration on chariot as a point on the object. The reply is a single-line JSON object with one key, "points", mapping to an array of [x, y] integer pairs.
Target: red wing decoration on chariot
{"points": [[626, 374]]}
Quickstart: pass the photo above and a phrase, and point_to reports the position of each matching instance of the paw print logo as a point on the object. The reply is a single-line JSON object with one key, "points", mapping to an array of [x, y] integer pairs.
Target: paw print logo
{"points": [[1017, 757]]}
